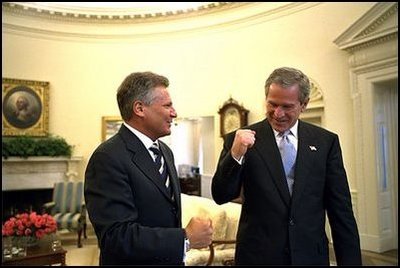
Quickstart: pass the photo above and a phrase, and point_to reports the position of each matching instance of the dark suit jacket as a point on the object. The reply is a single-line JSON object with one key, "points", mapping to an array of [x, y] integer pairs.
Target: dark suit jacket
{"points": [[278, 229], [133, 217]]}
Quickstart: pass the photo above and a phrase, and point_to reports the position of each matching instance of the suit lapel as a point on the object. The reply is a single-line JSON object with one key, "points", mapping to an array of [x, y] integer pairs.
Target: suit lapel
{"points": [[173, 177], [269, 152], [306, 151], [142, 159]]}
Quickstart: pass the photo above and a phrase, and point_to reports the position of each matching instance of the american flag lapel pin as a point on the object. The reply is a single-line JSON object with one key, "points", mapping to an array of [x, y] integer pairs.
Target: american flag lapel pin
{"points": [[313, 148]]}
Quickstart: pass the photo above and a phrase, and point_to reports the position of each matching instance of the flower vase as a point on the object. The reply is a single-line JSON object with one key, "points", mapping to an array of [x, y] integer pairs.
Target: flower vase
{"points": [[31, 241], [18, 248]]}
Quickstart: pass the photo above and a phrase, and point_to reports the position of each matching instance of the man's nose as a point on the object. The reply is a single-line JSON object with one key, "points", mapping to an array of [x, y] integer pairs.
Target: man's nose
{"points": [[279, 111], [173, 113]]}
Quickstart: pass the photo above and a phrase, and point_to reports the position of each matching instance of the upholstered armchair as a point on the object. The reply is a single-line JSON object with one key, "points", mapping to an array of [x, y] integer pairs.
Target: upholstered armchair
{"points": [[225, 219], [68, 207]]}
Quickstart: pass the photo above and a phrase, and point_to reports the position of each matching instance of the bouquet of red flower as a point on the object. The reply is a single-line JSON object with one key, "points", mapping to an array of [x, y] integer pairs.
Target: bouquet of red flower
{"points": [[31, 224]]}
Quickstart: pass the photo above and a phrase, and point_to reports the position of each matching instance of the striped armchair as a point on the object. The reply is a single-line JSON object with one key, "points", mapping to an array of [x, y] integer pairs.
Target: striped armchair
{"points": [[68, 207]]}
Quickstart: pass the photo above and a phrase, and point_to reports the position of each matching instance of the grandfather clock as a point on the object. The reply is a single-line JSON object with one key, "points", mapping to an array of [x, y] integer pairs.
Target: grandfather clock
{"points": [[232, 116]]}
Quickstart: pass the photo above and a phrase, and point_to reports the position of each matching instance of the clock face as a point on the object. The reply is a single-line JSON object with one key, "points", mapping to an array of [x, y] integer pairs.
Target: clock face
{"points": [[231, 120]]}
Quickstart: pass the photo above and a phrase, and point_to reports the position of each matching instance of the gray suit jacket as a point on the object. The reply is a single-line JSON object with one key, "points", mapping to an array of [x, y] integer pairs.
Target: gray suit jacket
{"points": [[135, 220], [276, 228]]}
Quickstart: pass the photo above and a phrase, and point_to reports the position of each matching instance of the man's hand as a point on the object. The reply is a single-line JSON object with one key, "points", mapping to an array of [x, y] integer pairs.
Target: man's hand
{"points": [[199, 232], [244, 139]]}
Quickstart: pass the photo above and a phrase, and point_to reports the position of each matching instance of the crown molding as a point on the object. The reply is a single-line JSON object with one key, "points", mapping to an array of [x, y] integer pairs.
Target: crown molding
{"points": [[111, 15], [42, 24]]}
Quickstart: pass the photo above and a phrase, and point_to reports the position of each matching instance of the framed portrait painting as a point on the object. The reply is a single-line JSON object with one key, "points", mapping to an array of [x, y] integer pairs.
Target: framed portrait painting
{"points": [[25, 107], [110, 126]]}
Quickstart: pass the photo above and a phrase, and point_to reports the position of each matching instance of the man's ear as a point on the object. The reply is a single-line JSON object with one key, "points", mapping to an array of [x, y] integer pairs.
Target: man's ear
{"points": [[138, 108], [304, 105]]}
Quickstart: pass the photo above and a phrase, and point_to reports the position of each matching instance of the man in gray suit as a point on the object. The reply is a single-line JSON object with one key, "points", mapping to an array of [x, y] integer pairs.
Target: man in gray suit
{"points": [[132, 190], [290, 173]]}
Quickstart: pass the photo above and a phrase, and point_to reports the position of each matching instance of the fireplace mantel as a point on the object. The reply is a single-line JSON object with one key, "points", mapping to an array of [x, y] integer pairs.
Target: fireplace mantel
{"points": [[37, 172]]}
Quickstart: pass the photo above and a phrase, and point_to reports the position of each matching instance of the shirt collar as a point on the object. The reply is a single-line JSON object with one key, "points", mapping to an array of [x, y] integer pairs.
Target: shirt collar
{"points": [[147, 142], [293, 130]]}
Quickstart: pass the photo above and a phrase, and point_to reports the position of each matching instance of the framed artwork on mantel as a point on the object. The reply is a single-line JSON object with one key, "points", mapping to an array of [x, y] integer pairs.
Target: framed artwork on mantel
{"points": [[110, 126], [25, 107]]}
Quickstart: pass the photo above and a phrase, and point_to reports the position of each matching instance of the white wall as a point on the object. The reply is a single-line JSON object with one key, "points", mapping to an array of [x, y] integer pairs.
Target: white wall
{"points": [[205, 67]]}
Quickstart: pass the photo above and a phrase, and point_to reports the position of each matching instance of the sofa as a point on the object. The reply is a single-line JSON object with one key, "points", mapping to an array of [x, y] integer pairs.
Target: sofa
{"points": [[225, 220]]}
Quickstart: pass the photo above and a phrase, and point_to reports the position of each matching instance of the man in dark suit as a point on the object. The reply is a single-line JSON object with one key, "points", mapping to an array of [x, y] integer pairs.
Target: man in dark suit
{"points": [[289, 173], [132, 190]]}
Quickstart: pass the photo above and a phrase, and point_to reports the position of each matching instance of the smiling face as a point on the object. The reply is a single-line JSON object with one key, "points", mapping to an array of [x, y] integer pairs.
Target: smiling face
{"points": [[283, 106], [159, 114]]}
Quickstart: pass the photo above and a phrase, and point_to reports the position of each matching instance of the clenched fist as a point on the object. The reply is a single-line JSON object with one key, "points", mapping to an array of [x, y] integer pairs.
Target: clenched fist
{"points": [[244, 139], [199, 232]]}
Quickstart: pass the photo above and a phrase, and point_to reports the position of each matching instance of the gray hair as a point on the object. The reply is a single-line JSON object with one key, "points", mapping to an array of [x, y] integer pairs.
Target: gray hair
{"points": [[287, 77], [138, 86]]}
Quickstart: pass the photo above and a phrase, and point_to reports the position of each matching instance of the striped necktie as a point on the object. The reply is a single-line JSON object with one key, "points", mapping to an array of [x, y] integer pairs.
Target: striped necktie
{"points": [[288, 154], [160, 165]]}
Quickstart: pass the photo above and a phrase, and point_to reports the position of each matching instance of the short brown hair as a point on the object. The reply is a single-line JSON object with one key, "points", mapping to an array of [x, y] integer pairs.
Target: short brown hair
{"points": [[286, 77], [138, 86]]}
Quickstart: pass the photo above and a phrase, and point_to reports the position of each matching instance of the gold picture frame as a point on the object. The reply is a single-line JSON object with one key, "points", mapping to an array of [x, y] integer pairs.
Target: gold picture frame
{"points": [[25, 107], [110, 126]]}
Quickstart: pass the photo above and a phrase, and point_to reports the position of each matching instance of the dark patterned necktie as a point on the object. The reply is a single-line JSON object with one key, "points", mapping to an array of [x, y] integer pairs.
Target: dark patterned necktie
{"points": [[288, 154], [160, 165]]}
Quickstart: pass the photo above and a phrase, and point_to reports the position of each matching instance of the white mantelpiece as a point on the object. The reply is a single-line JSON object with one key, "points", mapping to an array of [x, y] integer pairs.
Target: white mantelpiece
{"points": [[37, 172]]}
